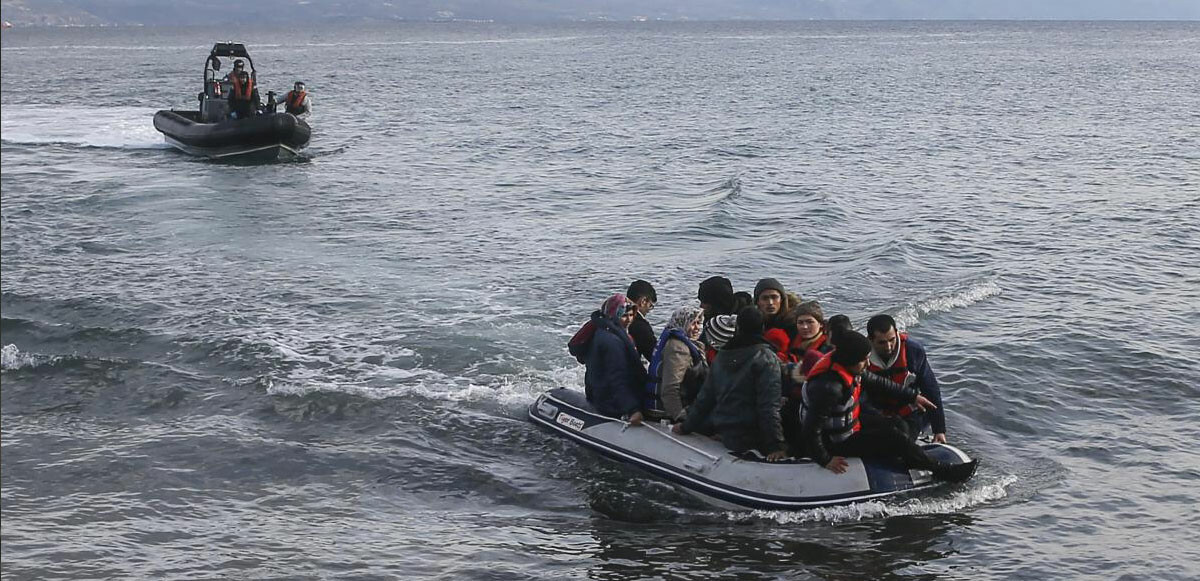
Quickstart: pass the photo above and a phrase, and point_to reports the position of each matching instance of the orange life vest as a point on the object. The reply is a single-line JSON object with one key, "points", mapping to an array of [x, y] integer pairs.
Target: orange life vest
{"points": [[239, 91], [843, 418], [898, 373], [294, 101]]}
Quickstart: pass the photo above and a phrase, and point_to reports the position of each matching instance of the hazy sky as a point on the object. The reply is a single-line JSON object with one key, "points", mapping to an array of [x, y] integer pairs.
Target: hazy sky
{"points": [[203, 11]]}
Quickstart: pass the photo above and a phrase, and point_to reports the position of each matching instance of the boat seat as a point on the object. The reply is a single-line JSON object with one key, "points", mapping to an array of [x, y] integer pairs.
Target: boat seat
{"points": [[213, 109]]}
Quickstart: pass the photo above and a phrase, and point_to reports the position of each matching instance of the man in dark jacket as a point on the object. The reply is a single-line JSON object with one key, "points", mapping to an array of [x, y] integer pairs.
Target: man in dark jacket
{"points": [[830, 414], [615, 381], [740, 397], [641, 293], [901, 359]]}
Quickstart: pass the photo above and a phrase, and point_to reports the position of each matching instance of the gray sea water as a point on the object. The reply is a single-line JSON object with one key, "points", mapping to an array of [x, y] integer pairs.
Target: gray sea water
{"points": [[319, 369]]}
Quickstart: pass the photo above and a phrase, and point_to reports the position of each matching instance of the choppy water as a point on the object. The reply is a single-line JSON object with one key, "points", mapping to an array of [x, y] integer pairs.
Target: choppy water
{"points": [[319, 369]]}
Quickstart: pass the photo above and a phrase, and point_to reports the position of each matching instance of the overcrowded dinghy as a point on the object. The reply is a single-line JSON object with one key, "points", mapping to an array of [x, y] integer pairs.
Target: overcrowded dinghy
{"points": [[705, 468], [216, 131]]}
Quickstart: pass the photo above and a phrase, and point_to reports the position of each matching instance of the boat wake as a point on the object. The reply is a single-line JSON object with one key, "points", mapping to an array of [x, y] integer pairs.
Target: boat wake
{"points": [[910, 315], [972, 495], [113, 127]]}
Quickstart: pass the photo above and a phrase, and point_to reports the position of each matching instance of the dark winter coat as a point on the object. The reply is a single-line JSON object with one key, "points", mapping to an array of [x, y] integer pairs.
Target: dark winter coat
{"points": [[643, 336], [615, 381], [740, 399]]}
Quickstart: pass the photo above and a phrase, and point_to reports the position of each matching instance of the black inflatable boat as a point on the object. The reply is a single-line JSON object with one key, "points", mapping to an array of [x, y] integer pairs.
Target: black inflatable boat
{"points": [[215, 131]]}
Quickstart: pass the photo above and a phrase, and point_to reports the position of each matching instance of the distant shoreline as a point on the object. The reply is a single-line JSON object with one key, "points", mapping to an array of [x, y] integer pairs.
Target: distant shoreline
{"points": [[380, 22]]}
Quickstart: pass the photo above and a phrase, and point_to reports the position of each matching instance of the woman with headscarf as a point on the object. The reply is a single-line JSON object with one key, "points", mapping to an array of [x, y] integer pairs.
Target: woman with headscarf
{"points": [[678, 366], [740, 398], [615, 380]]}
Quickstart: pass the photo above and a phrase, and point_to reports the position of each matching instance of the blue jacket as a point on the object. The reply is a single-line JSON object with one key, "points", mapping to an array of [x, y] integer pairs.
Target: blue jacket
{"points": [[918, 364], [615, 381]]}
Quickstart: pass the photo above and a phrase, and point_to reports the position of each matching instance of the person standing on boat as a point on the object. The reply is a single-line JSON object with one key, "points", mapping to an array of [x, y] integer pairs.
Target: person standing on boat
{"points": [[239, 66], [641, 293], [740, 398], [903, 360], [830, 414], [297, 101], [243, 95], [678, 367], [615, 380]]}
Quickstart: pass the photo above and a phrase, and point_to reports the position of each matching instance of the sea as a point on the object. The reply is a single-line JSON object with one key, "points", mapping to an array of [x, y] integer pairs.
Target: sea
{"points": [[320, 368]]}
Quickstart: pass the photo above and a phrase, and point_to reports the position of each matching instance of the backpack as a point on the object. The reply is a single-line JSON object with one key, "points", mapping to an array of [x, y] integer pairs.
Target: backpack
{"points": [[582, 341]]}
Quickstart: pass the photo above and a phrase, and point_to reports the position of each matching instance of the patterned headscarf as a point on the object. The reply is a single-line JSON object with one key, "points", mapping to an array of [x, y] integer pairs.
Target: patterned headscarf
{"points": [[683, 317], [614, 306]]}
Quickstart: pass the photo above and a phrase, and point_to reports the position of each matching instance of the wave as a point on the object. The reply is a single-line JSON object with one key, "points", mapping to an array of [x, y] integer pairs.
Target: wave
{"points": [[113, 127], [509, 391], [910, 315], [12, 358], [956, 502]]}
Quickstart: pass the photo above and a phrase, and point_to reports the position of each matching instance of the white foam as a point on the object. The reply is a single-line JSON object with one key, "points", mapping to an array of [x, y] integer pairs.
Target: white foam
{"points": [[12, 358], [110, 127], [956, 502], [911, 315], [509, 391]]}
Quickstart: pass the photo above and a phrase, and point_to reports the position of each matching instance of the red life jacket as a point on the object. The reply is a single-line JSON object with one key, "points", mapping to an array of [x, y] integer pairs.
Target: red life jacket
{"points": [[898, 373], [843, 419], [294, 101], [239, 91], [778, 338]]}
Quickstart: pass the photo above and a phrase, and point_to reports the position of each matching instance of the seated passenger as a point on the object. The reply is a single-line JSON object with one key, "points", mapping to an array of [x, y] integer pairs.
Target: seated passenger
{"points": [[776, 305], [740, 398], [615, 380], [678, 366], [641, 293], [830, 415], [835, 325], [741, 300], [897, 357], [716, 298], [297, 102], [717, 332], [809, 321]]}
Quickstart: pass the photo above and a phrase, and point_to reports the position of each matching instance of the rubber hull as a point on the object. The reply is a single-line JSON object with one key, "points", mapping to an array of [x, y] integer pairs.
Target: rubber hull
{"points": [[262, 137], [704, 467]]}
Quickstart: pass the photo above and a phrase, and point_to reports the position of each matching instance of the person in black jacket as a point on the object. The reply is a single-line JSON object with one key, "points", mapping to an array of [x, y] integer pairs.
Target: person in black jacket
{"points": [[830, 411], [641, 293], [740, 398], [615, 381]]}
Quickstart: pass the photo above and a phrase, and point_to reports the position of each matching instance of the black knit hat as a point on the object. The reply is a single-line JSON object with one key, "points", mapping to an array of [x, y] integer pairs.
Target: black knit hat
{"points": [[851, 349], [749, 323], [768, 284], [718, 292]]}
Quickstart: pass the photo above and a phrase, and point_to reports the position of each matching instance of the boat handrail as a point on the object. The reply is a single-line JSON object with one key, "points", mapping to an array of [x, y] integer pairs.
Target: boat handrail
{"points": [[715, 459]]}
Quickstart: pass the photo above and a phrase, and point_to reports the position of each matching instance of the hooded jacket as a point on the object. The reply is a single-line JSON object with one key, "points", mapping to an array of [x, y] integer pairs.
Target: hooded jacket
{"points": [[741, 394], [615, 380]]}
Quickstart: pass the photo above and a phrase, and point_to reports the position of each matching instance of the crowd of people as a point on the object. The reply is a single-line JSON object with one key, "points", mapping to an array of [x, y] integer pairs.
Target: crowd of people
{"points": [[766, 373]]}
